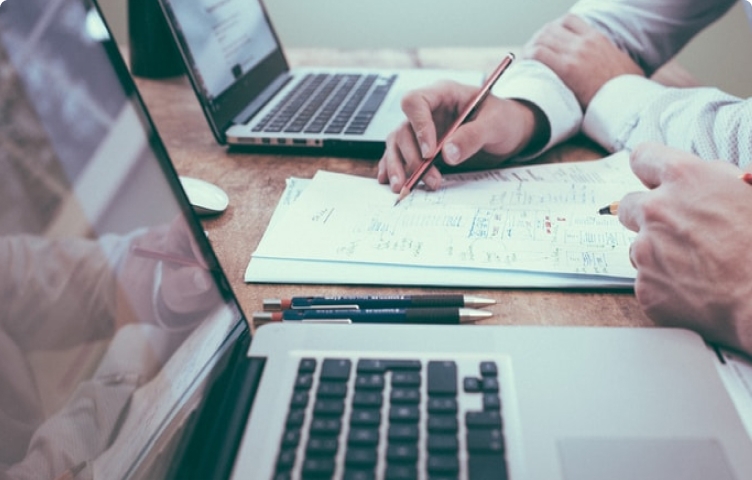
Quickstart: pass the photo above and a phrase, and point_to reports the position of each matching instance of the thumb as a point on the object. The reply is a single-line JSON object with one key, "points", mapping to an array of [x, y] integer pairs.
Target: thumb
{"points": [[468, 140]]}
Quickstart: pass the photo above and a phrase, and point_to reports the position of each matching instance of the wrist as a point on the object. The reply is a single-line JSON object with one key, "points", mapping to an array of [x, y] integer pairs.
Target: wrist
{"points": [[534, 129]]}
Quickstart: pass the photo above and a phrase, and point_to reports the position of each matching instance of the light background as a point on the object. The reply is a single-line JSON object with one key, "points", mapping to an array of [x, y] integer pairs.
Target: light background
{"points": [[721, 56]]}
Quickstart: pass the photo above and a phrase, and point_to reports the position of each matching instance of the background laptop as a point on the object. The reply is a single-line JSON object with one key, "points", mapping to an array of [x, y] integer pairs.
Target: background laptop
{"points": [[116, 364], [251, 97]]}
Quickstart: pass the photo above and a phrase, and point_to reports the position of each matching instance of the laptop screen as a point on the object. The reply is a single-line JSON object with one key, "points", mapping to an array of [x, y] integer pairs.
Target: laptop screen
{"points": [[231, 54], [113, 308]]}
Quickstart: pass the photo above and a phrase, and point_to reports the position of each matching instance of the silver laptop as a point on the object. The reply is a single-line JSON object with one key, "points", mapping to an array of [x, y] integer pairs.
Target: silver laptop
{"points": [[123, 352], [251, 97]]}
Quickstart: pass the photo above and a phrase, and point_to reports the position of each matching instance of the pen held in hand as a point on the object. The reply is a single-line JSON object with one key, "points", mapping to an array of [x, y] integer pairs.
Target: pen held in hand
{"points": [[443, 316], [465, 116]]}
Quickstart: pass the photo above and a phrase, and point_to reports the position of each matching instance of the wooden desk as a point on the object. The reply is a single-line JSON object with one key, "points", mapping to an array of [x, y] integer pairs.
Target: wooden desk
{"points": [[255, 183]]}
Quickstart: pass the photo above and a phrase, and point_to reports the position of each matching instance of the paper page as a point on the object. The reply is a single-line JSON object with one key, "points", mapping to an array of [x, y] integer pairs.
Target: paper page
{"points": [[532, 218]]}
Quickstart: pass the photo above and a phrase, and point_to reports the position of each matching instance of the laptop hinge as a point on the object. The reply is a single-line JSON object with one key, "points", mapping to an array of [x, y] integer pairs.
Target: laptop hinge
{"points": [[258, 103], [220, 421]]}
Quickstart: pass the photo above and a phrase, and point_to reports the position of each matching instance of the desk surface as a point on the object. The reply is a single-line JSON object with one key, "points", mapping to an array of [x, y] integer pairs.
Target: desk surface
{"points": [[255, 183]]}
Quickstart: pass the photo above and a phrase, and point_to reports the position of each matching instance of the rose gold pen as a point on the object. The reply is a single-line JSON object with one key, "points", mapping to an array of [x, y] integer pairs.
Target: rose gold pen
{"points": [[465, 116]]}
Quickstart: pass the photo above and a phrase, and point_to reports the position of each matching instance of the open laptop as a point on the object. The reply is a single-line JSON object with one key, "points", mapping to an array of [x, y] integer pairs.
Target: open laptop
{"points": [[123, 352], [251, 97]]}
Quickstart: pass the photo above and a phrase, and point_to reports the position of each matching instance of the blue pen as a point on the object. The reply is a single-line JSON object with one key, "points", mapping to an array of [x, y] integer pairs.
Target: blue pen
{"points": [[355, 302], [447, 316]]}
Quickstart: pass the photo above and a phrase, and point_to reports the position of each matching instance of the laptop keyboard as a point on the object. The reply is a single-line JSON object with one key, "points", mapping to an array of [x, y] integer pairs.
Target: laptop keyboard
{"points": [[332, 104], [393, 419]]}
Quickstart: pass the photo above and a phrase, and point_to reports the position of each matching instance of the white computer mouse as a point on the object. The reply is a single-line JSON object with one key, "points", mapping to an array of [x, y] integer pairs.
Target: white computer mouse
{"points": [[206, 198]]}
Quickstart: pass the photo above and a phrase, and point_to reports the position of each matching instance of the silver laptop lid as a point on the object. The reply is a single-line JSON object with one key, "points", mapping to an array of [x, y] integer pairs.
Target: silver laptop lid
{"points": [[113, 308]]}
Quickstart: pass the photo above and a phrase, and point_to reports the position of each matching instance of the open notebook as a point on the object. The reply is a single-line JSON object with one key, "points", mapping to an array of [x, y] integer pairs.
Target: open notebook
{"points": [[117, 365]]}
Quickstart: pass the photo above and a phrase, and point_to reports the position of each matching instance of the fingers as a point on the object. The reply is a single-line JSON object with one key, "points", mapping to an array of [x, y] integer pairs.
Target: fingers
{"points": [[631, 211]]}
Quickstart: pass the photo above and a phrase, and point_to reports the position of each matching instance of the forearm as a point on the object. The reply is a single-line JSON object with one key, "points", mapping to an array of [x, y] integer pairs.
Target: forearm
{"points": [[651, 31], [630, 110]]}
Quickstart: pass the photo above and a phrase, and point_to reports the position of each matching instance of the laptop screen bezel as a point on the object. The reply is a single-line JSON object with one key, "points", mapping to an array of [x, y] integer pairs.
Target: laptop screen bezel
{"points": [[223, 111]]}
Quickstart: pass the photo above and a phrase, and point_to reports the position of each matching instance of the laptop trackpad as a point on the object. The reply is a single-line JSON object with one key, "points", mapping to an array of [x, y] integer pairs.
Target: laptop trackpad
{"points": [[646, 459]]}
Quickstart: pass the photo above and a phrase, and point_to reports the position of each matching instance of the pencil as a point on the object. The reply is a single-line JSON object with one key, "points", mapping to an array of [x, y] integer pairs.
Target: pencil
{"points": [[465, 116], [612, 209]]}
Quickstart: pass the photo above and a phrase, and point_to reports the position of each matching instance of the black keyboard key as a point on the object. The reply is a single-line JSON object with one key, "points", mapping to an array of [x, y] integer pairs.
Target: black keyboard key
{"points": [[365, 417], [286, 460], [335, 370], [369, 382], [366, 399], [361, 457], [442, 405], [403, 433], [307, 365], [405, 395], [405, 379], [491, 401], [485, 441], [490, 384], [290, 438], [443, 464], [486, 467], [331, 390], [322, 446], [318, 467], [299, 400], [402, 453], [404, 414], [381, 366], [359, 474], [328, 408], [442, 378], [401, 472], [442, 423], [303, 381], [295, 418], [488, 369], [486, 419], [442, 442], [471, 384], [363, 436], [325, 427]]}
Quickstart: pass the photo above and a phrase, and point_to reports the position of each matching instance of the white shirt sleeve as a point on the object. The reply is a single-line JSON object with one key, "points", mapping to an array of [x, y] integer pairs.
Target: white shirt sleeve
{"points": [[712, 124], [533, 82]]}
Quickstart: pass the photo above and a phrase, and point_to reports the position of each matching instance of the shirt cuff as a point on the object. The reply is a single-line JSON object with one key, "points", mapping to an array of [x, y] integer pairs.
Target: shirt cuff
{"points": [[534, 82], [615, 110]]}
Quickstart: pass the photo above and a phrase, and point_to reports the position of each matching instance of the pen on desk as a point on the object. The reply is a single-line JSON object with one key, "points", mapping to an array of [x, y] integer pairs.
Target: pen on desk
{"points": [[611, 209], [167, 257], [445, 316], [356, 302], [465, 116]]}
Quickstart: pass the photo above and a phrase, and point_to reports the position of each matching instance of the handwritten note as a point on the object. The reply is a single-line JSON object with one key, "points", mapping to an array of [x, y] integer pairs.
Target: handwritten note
{"points": [[526, 219]]}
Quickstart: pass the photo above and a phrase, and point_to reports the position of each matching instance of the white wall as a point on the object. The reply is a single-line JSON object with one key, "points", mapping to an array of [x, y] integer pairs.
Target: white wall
{"points": [[719, 56]]}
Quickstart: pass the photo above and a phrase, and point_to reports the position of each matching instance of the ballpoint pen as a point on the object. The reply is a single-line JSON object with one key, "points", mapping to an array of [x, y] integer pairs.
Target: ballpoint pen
{"points": [[465, 116], [356, 302], [447, 316]]}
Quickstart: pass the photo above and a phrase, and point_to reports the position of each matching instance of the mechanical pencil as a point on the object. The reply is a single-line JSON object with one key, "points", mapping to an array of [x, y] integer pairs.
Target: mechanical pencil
{"points": [[356, 302], [446, 316]]}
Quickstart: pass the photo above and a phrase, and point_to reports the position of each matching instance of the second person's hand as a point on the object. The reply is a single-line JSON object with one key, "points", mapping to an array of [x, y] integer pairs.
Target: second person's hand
{"points": [[500, 129]]}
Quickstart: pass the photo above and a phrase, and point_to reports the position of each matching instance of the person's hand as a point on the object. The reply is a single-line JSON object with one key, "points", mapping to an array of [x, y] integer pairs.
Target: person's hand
{"points": [[580, 55], [692, 250], [500, 128]]}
